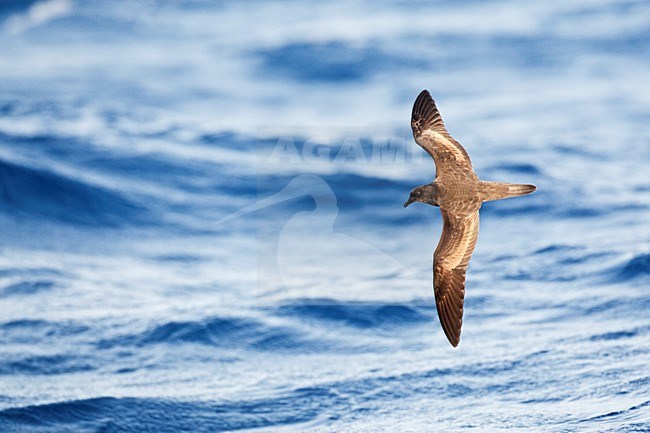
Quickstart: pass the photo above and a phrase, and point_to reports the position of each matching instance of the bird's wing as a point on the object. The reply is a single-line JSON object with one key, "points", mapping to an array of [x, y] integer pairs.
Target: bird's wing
{"points": [[430, 133], [450, 261]]}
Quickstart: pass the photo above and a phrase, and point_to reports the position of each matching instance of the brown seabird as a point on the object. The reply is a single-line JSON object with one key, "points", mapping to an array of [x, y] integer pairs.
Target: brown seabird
{"points": [[459, 193]]}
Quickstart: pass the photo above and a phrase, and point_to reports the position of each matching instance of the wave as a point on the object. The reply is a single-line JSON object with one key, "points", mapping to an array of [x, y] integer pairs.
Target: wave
{"points": [[42, 333], [504, 208], [37, 193], [44, 365], [324, 403], [223, 333], [522, 168], [226, 333], [620, 335], [554, 248], [108, 414], [27, 288], [569, 255], [362, 315], [632, 410], [169, 171], [636, 267], [38, 331], [619, 306], [215, 331], [332, 61]]}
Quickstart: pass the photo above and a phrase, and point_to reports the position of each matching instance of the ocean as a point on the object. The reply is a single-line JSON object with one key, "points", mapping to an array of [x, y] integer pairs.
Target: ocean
{"points": [[203, 230]]}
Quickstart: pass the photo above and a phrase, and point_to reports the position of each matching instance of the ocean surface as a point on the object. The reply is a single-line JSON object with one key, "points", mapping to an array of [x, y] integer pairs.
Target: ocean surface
{"points": [[202, 225]]}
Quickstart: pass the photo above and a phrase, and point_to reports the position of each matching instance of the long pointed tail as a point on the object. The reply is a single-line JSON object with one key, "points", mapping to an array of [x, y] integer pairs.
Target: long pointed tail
{"points": [[499, 190]]}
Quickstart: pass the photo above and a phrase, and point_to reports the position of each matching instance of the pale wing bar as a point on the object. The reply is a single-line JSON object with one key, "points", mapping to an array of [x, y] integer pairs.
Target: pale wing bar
{"points": [[430, 133]]}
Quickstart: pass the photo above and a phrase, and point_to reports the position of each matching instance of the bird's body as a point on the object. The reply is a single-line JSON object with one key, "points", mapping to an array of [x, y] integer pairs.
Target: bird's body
{"points": [[459, 193]]}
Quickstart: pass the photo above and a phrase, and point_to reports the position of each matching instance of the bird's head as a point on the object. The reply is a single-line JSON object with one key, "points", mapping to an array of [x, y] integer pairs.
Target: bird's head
{"points": [[423, 194]]}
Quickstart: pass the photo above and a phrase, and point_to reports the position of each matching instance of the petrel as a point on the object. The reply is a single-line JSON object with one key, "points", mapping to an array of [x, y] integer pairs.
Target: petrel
{"points": [[459, 193]]}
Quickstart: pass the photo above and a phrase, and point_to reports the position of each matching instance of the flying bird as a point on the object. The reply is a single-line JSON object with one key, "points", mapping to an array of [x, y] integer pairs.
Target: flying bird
{"points": [[459, 193]]}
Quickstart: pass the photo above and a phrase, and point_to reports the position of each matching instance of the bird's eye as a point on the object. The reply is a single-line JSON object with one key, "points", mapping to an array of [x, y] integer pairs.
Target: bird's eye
{"points": [[418, 193]]}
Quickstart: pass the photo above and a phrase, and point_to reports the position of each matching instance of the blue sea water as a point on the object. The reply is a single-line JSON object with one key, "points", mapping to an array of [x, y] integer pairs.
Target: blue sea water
{"points": [[202, 221]]}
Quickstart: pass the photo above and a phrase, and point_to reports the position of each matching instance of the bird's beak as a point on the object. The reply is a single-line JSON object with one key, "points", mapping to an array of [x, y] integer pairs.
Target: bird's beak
{"points": [[408, 202]]}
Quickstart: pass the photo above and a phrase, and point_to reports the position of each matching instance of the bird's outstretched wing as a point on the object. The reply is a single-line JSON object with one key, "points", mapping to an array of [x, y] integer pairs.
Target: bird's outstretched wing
{"points": [[430, 133], [450, 261]]}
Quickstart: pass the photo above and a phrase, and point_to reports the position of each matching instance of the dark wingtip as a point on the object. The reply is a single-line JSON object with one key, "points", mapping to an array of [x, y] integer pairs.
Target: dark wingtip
{"points": [[453, 339], [422, 102], [451, 325], [425, 113], [423, 97]]}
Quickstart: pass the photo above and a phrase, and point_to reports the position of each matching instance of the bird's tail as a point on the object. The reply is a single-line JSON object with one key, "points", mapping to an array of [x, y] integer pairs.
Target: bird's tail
{"points": [[500, 190]]}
